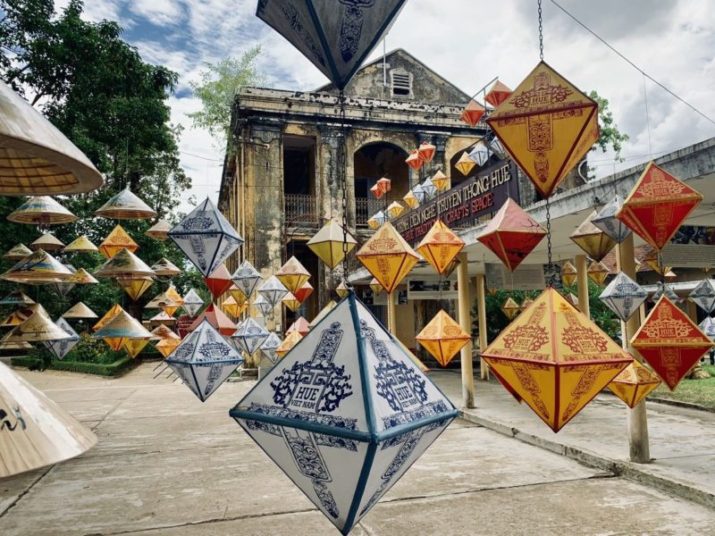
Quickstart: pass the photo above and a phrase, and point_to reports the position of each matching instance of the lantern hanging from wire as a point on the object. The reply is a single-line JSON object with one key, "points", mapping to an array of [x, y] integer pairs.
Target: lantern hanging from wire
{"points": [[387, 257], [113, 311], [670, 342], [273, 290], [37, 327], [623, 296], [597, 272], [465, 165], [246, 278], [440, 246], [269, 347], [327, 244], [218, 281], [663, 289], [384, 184], [525, 305], [413, 160], [135, 287], [250, 335], [262, 306], [633, 384], [121, 328], [291, 339], [375, 286], [703, 295], [165, 268], [40, 268], [231, 307], [133, 347], [440, 181], [510, 308], [568, 273], [419, 194], [79, 311], [192, 302], [376, 220], [411, 200], [708, 327], [292, 274], [428, 188], [116, 241], [426, 151], [166, 345], [237, 294], [472, 113], [42, 211], [592, 240], [442, 337], [342, 290], [607, 221], [291, 302], [218, 320], [124, 264], [395, 209], [62, 347], [479, 153], [305, 290], [498, 93], [377, 191], [300, 325]]}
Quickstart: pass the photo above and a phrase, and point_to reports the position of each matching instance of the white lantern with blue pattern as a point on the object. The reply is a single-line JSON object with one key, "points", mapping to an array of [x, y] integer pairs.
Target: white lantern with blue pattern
{"points": [[623, 296], [62, 347], [246, 278], [605, 219], [703, 295], [250, 335], [269, 347], [345, 413]]}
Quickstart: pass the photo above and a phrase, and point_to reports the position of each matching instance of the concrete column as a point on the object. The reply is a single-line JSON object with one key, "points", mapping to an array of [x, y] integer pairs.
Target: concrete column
{"points": [[582, 284], [391, 324], [637, 417], [465, 322], [481, 284]]}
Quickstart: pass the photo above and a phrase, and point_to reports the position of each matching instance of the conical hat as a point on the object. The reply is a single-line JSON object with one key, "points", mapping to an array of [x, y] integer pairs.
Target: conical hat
{"points": [[122, 326], [38, 327], [17, 252], [162, 317], [41, 210], [38, 268], [79, 310], [108, 316], [83, 277], [165, 268], [48, 242], [35, 157], [159, 231], [164, 332], [126, 264], [16, 318], [17, 297], [37, 432], [80, 244], [125, 206]]}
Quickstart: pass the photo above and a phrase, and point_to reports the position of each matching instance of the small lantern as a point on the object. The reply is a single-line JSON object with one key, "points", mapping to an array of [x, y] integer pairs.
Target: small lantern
{"points": [[117, 240], [375, 286], [218, 320], [108, 317], [204, 360], [273, 290], [376, 220], [292, 274], [43, 211], [572, 299], [327, 244], [555, 359], [125, 206], [426, 151], [623, 296], [305, 290], [479, 153], [411, 200], [633, 384], [133, 347], [62, 347], [231, 307], [167, 345], [81, 244], [250, 335], [708, 327], [703, 295], [395, 209], [288, 343], [17, 298], [376, 191], [124, 264], [291, 302], [497, 94], [592, 240], [159, 231], [47, 242], [670, 342], [428, 188], [218, 281], [657, 206], [387, 257], [342, 290], [165, 268], [414, 160], [192, 303], [440, 181], [598, 272], [568, 274], [384, 184], [525, 305], [547, 125], [442, 337], [664, 290], [510, 308], [37, 327], [472, 113], [270, 346], [262, 306], [511, 234], [300, 325], [440, 246], [419, 194], [247, 278], [135, 287], [607, 221], [465, 164], [120, 329]]}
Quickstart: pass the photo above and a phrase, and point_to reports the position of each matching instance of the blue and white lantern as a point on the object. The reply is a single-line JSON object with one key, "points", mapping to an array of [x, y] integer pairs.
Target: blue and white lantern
{"points": [[250, 335], [262, 305], [246, 278], [623, 296], [269, 346], [428, 188], [192, 303], [273, 291], [62, 347], [479, 153], [703, 295], [667, 289], [605, 219], [345, 413], [708, 327]]}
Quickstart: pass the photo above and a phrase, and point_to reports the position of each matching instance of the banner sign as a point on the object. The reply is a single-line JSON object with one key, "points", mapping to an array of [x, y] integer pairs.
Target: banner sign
{"points": [[465, 203]]}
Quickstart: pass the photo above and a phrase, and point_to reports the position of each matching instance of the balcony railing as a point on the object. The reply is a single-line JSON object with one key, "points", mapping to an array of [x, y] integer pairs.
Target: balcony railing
{"points": [[301, 210]]}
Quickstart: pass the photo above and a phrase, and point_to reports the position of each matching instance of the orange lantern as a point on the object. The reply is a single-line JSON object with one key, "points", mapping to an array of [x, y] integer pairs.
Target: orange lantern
{"points": [[291, 302], [426, 151], [592, 240], [288, 343], [218, 320], [218, 281], [443, 338], [670, 342], [440, 246], [237, 294], [395, 209], [135, 286], [301, 325], [497, 94], [633, 384], [173, 300], [658, 205], [547, 125], [167, 345], [376, 191], [292, 274], [472, 113], [441, 181], [108, 317], [116, 241], [568, 274], [414, 160], [598, 272], [133, 347], [231, 307], [510, 308], [511, 234], [555, 359], [387, 256], [384, 184], [305, 290], [465, 164]]}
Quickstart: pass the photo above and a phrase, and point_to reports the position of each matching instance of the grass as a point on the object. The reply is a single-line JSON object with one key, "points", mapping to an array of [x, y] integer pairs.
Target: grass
{"points": [[700, 392]]}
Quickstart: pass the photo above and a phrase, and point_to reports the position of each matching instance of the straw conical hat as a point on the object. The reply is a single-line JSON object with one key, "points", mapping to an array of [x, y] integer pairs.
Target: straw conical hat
{"points": [[38, 327], [124, 264], [162, 317], [16, 318], [37, 431], [48, 242], [159, 231], [35, 157], [41, 210], [80, 244], [164, 332], [38, 268], [83, 277], [108, 316], [125, 206], [165, 268], [122, 326], [79, 310], [17, 252], [17, 297]]}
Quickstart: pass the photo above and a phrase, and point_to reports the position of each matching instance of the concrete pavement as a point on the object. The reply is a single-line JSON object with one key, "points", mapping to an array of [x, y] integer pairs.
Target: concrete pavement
{"points": [[168, 465]]}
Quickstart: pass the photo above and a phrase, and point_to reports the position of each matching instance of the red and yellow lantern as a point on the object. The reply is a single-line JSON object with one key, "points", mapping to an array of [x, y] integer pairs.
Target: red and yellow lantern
{"points": [[442, 337], [440, 246]]}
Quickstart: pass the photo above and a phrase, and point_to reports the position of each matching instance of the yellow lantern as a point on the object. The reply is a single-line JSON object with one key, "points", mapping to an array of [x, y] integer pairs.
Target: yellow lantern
{"points": [[634, 383], [375, 286], [108, 317], [410, 200], [441, 181], [547, 125], [387, 257], [510, 308], [134, 346], [592, 240], [292, 274], [440, 246], [231, 307], [288, 343], [525, 304], [555, 359], [327, 244], [291, 302], [167, 345], [135, 287], [121, 331], [342, 289], [443, 338], [598, 272], [568, 274], [116, 241], [465, 164], [237, 294], [395, 209]]}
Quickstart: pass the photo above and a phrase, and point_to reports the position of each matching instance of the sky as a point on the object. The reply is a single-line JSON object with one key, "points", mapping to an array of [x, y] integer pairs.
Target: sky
{"points": [[468, 42]]}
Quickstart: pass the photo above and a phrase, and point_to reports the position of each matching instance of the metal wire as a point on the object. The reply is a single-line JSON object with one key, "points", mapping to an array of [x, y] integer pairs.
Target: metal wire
{"points": [[541, 31], [549, 263], [343, 179]]}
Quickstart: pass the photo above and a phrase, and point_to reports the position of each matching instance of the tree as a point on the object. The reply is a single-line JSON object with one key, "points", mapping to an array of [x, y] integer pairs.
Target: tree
{"points": [[609, 133], [218, 86]]}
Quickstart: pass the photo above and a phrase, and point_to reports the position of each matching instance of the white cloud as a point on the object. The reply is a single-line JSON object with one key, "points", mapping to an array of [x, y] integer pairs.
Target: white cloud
{"points": [[159, 12]]}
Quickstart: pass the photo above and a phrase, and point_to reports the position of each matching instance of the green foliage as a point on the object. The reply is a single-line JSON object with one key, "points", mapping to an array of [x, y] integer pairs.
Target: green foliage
{"points": [[220, 83], [609, 135], [700, 392]]}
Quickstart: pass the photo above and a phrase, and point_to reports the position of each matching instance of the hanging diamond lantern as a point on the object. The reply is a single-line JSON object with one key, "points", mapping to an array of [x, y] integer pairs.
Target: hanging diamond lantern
{"points": [[218, 281], [261, 304], [395, 209], [17, 252], [231, 307], [440, 246], [498, 93], [426, 151], [623, 296], [288, 343], [218, 320], [342, 290], [165, 268], [120, 329], [703, 295], [413, 160], [192, 302], [108, 317], [511, 308], [440, 181], [291, 302], [250, 335], [37, 327], [442, 337], [47, 242], [133, 347], [338, 440], [633, 384], [387, 257], [38, 269], [273, 291], [300, 325], [305, 290], [292, 274], [246, 278], [555, 359], [375, 286], [124, 264], [377, 219], [670, 342], [377, 191], [81, 244], [42, 211], [411, 200], [384, 184], [592, 240], [327, 244], [472, 113], [465, 165], [116, 241], [269, 346], [598, 272], [568, 274], [479, 153], [135, 287], [607, 221], [428, 188], [708, 327]]}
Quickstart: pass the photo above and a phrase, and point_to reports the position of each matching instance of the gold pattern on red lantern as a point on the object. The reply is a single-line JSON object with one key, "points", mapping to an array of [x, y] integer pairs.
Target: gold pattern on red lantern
{"points": [[497, 94], [511, 234], [633, 384], [387, 256], [658, 205], [440, 246], [472, 113], [592, 240], [670, 342], [443, 338]]}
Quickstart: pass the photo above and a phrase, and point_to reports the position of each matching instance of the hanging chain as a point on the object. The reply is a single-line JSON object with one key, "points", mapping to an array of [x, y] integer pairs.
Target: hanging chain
{"points": [[342, 161], [541, 31], [549, 263]]}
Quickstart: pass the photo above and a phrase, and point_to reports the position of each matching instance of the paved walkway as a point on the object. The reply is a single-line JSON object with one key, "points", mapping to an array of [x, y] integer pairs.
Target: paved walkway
{"points": [[682, 440], [168, 465]]}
